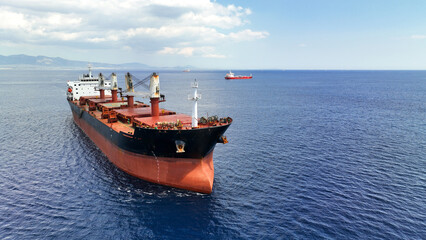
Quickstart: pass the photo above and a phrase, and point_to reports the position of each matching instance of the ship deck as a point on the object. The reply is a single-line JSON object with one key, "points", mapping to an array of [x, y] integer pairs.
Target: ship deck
{"points": [[153, 121], [140, 115], [120, 105], [140, 112], [114, 105], [116, 126], [104, 100]]}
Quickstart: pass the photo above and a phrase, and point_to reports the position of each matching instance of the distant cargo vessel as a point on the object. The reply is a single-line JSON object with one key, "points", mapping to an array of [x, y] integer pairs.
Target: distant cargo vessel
{"points": [[153, 144], [231, 75]]}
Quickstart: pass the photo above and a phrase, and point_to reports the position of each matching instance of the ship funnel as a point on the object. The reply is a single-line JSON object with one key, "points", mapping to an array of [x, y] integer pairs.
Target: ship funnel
{"points": [[154, 86], [195, 97], [129, 83]]}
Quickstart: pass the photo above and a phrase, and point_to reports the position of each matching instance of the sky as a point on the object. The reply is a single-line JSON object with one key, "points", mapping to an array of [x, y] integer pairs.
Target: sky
{"points": [[234, 34]]}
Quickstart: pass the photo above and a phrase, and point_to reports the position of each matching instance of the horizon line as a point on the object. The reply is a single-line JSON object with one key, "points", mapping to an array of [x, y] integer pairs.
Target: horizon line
{"points": [[14, 66]]}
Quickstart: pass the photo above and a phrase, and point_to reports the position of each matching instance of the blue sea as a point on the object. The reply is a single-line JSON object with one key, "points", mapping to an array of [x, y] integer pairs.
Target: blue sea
{"points": [[311, 155]]}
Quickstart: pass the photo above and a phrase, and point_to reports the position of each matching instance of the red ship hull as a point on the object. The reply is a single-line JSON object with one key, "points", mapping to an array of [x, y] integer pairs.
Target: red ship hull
{"points": [[239, 77], [192, 174]]}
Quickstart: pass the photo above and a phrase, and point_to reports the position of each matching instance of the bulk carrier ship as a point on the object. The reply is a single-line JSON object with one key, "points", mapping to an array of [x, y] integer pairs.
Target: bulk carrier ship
{"points": [[154, 144]]}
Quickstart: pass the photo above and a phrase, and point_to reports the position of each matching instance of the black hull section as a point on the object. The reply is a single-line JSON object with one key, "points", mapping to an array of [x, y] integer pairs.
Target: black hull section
{"points": [[155, 142]]}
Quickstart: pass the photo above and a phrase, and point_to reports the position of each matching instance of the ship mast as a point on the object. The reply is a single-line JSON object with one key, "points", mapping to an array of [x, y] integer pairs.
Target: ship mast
{"points": [[90, 70], [195, 97]]}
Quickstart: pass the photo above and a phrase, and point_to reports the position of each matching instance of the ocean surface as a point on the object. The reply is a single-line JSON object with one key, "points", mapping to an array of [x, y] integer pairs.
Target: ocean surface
{"points": [[311, 155]]}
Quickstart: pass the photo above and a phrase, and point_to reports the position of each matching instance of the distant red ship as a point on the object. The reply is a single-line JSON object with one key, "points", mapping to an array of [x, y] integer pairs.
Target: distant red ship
{"points": [[231, 75]]}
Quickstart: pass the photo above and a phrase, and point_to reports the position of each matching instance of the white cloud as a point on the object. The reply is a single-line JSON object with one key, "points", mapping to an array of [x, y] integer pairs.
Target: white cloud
{"points": [[205, 52], [63, 36], [187, 51], [12, 20], [184, 27], [418, 36], [210, 55], [247, 35]]}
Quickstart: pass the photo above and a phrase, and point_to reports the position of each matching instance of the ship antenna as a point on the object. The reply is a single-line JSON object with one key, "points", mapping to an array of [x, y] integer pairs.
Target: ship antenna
{"points": [[90, 70], [195, 97]]}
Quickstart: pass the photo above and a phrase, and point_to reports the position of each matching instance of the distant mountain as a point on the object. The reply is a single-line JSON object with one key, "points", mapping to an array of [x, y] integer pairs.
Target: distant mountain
{"points": [[31, 62]]}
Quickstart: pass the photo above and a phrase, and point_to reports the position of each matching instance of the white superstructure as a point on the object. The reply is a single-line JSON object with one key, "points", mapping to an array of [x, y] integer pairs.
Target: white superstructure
{"points": [[230, 75], [86, 86]]}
